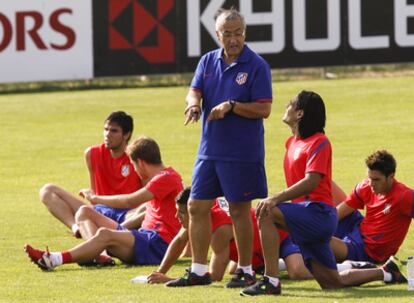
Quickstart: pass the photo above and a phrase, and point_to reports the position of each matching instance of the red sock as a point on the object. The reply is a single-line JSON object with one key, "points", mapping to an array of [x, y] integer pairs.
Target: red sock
{"points": [[66, 257]]}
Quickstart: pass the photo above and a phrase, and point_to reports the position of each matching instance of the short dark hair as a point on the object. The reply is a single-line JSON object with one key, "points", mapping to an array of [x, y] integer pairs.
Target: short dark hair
{"points": [[314, 115], [183, 196], [124, 121], [382, 161], [146, 149]]}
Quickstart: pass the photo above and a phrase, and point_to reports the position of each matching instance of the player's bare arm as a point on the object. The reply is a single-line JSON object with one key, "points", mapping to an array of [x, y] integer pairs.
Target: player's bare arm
{"points": [[88, 162], [344, 210], [250, 110], [174, 251], [121, 201], [303, 187]]}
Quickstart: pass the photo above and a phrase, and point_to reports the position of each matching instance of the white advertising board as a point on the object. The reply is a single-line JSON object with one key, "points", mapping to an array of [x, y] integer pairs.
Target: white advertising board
{"points": [[43, 40]]}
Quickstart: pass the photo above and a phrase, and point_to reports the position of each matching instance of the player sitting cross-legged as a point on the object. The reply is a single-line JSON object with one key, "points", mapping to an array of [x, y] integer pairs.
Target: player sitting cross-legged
{"points": [[144, 246]]}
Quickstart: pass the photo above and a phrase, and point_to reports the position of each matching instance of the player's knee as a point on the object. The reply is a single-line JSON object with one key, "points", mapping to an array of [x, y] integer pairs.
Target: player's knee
{"points": [[46, 191], [196, 209], [345, 278], [104, 234], [83, 213], [330, 283], [296, 273]]}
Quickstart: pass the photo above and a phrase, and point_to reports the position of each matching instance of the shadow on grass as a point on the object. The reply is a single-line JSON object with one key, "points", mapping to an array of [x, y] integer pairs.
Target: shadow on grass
{"points": [[118, 266], [369, 291]]}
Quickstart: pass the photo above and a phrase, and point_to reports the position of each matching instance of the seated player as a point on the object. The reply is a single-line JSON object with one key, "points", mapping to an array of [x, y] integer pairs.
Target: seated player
{"points": [[310, 218], [144, 246], [110, 172], [389, 207]]}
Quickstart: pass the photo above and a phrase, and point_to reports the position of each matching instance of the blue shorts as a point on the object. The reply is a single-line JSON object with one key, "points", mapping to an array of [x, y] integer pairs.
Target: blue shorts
{"points": [[149, 247], [311, 225], [288, 247], [348, 224], [237, 181], [116, 214], [348, 231]]}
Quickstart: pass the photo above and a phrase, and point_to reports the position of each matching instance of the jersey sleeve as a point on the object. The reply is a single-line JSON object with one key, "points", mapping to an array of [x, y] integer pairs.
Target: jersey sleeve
{"points": [[319, 157], [407, 205], [198, 79], [355, 199], [161, 185], [262, 85]]}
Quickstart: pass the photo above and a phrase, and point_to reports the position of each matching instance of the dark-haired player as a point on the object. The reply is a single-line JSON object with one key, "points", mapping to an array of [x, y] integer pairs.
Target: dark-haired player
{"points": [[142, 247], [110, 172]]}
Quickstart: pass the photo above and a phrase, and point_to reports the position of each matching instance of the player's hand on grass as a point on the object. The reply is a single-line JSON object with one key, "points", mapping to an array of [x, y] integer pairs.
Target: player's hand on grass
{"points": [[156, 277]]}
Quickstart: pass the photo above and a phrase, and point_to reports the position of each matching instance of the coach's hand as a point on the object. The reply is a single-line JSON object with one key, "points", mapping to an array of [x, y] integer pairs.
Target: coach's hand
{"points": [[219, 111], [192, 113]]}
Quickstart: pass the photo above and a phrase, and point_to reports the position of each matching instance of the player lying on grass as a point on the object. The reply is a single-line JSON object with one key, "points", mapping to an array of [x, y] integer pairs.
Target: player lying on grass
{"points": [[223, 245], [144, 246], [110, 173]]}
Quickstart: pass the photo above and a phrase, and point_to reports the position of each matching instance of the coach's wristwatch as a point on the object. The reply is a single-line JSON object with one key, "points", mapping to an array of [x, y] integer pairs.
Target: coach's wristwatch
{"points": [[232, 105]]}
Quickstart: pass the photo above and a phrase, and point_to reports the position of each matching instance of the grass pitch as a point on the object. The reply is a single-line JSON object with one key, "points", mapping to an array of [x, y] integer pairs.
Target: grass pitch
{"points": [[44, 135]]}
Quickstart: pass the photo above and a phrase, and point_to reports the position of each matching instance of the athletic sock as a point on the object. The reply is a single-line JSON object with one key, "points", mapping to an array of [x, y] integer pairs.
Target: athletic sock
{"points": [[387, 276], [344, 266], [282, 265], [199, 269], [56, 258], [66, 257], [273, 280], [246, 269]]}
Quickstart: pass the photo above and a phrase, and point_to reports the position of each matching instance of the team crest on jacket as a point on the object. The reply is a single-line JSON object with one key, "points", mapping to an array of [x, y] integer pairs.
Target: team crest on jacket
{"points": [[125, 170], [241, 78]]}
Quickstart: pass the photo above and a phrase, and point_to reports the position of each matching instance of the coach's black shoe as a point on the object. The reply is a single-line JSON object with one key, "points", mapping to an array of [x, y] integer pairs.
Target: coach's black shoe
{"points": [[241, 279], [394, 268], [360, 264], [190, 279], [262, 287]]}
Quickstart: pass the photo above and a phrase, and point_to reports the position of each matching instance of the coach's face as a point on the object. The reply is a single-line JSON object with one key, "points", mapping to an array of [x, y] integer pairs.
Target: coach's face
{"points": [[231, 35], [380, 184]]}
